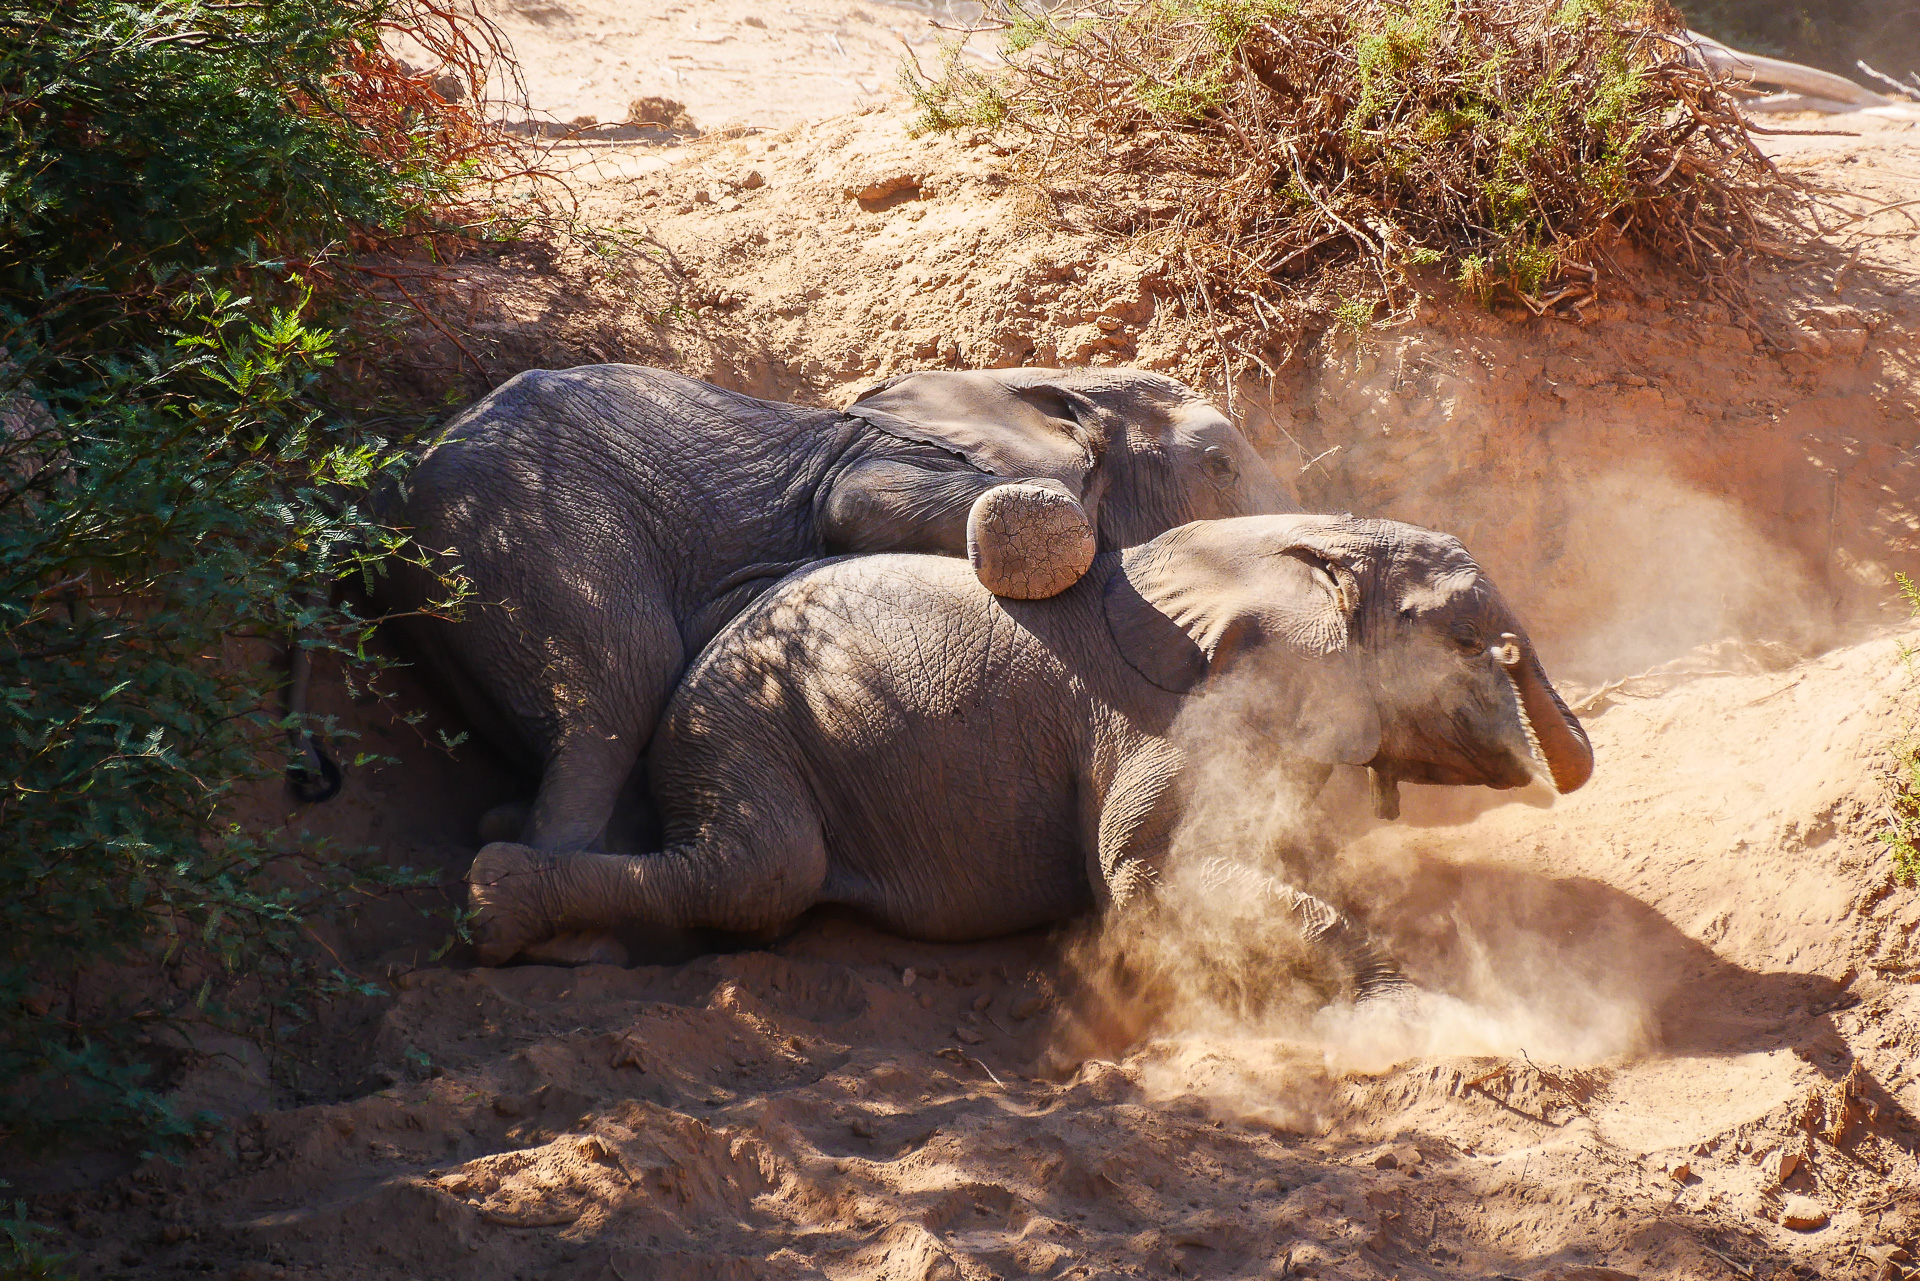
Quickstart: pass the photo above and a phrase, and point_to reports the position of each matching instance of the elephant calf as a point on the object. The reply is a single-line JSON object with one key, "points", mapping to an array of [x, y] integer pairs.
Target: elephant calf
{"points": [[886, 734], [611, 519]]}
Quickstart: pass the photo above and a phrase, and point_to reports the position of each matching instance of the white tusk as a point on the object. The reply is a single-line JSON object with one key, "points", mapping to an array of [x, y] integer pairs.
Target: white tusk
{"points": [[1507, 652]]}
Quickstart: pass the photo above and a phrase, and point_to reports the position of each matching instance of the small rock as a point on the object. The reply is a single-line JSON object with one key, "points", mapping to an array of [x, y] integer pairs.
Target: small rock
{"points": [[507, 1105], [584, 122], [449, 87], [753, 181], [967, 1036], [1802, 1214], [860, 1127], [175, 1233], [753, 21], [983, 1000], [1781, 1167], [882, 188], [1680, 1171], [703, 197], [1027, 1006], [1402, 1156], [926, 1000], [907, 976]]}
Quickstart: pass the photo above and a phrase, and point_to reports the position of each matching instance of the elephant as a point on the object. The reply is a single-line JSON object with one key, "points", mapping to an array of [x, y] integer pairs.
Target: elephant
{"points": [[884, 734], [610, 519]]}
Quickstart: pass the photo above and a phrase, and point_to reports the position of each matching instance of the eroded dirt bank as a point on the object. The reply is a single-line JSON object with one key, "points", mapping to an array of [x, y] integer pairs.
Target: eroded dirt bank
{"points": [[1672, 1019]]}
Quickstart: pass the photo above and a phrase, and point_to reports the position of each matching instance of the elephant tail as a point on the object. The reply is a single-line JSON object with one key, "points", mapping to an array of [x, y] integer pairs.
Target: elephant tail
{"points": [[314, 776]]}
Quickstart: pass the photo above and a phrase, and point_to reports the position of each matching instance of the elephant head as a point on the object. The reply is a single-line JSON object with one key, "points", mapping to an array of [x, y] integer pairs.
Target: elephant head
{"points": [[1112, 457], [1389, 648]]}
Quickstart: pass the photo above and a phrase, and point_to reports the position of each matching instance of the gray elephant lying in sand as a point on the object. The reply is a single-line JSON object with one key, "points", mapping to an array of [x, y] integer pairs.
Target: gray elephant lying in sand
{"points": [[885, 734], [611, 519]]}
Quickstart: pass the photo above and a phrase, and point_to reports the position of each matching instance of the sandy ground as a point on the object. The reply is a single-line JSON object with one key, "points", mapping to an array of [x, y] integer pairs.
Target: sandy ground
{"points": [[737, 64], [1670, 1023]]}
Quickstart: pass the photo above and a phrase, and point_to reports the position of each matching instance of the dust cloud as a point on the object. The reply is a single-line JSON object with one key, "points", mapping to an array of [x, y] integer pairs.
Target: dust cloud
{"points": [[1214, 989], [1649, 568]]}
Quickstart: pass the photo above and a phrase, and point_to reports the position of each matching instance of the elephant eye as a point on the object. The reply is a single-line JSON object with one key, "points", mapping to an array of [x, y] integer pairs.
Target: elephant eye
{"points": [[1220, 464], [1467, 639]]}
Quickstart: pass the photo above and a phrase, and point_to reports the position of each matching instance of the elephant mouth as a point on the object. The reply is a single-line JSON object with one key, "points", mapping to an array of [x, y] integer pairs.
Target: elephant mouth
{"points": [[1506, 773]]}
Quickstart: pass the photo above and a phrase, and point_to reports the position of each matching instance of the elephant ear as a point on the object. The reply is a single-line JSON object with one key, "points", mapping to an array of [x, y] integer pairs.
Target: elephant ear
{"points": [[1015, 423], [1260, 593]]}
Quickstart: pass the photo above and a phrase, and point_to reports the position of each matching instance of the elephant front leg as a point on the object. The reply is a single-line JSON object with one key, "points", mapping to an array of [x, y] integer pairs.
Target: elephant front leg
{"points": [[1025, 538], [1029, 540], [1138, 831], [1370, 973]]}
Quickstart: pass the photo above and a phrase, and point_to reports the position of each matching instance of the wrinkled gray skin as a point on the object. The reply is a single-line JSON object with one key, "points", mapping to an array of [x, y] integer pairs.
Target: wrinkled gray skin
{"points": [[613, 518], [884, 734]]}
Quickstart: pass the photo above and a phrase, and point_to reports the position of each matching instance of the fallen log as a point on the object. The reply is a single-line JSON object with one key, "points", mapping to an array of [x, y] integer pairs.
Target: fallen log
{"points": [[1811, 82]]}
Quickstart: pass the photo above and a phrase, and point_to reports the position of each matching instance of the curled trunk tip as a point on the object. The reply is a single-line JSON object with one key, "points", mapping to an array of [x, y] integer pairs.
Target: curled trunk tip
{"points": [[1558, 739]]}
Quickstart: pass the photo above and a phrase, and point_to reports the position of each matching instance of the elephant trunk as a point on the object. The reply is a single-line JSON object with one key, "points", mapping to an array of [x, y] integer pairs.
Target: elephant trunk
{"points": [[1554, 733]]}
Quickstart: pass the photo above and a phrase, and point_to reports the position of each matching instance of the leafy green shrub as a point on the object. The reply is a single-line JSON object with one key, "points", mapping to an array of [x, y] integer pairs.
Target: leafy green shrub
{"points": [[176, 492], [21, 1256], [1509, 143]]}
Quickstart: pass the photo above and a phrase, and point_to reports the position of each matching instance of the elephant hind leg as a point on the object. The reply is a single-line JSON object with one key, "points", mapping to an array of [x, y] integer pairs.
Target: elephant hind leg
{"points": [[756, 873], [592, 704]]}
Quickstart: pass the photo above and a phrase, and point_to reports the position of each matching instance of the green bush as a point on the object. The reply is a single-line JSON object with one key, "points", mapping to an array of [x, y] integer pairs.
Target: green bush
{"points": [[1283, 153], [176, 492]]}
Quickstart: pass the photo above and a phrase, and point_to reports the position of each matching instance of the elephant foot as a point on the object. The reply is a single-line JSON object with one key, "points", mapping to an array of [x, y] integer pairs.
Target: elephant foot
{"points": [[508, 888], [1028, 541], [505, 822], [577, 947]]}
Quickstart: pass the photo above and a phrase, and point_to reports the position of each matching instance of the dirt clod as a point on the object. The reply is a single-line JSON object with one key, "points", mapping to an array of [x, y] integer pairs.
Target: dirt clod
{"points": [[1802, 1214]]}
